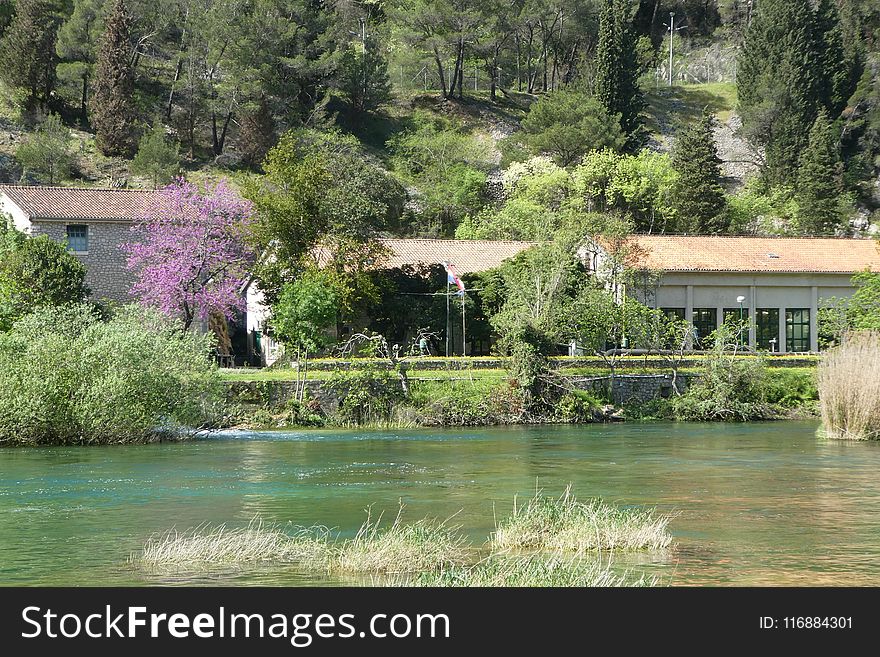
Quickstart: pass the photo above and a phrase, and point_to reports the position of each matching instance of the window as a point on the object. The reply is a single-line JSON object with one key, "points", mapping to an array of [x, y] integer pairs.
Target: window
{"points": [[732, 317], [78, 238], [797, 329], [767, 329], [705, 322], [672, 313]]}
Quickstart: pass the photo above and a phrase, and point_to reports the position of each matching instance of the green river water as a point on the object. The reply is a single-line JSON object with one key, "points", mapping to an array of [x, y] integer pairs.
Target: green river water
{"points": [[762, 504]]}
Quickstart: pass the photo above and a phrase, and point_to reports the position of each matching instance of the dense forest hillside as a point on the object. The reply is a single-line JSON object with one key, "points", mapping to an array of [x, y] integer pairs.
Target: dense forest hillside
{"points": [[504, 119]]}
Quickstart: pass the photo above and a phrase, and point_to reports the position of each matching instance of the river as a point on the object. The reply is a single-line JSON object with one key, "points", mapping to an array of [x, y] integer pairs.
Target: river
{"points": [[756, 504]]}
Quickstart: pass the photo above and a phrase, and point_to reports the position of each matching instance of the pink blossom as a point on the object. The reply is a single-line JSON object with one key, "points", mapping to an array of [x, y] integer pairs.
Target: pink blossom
{"points": [[190, 256]]}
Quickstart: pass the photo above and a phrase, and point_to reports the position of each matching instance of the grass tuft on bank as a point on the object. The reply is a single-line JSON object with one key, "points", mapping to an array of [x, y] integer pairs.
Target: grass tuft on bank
{"points": [[564, 524], [849, 388], [532, 571], [401, 547], [207, 546]]}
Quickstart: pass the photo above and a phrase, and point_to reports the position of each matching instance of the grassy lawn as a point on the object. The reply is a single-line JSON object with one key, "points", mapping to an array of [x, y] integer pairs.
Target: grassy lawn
{"points": [[683, 103]]}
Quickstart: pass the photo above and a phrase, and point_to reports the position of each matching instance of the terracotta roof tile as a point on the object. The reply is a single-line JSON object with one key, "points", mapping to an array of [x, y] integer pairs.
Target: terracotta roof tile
{"points": [[757, 254], [78, 203], [468, 256]]}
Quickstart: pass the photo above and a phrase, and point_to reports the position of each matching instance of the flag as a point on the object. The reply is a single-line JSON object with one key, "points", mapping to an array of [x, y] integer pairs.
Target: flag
{"points": [[452, 277]]}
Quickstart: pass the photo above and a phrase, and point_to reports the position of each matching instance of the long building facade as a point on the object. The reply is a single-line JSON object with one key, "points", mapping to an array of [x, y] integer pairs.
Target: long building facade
{"points": [[777, 284]]}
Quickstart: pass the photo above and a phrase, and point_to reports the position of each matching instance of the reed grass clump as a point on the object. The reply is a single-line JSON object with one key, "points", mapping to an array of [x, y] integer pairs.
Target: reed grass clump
{"points": [[849, 388], [400, 548], [532, 571], [208, 546], [565, 524]]}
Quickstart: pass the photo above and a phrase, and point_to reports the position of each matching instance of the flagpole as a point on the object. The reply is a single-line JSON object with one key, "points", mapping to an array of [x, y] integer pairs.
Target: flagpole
{"points": [[447, 316], [463, 340]]}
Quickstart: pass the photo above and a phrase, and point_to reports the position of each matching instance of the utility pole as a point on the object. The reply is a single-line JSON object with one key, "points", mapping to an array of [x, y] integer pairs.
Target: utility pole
{"points": [[364, 55], [463, 332]]}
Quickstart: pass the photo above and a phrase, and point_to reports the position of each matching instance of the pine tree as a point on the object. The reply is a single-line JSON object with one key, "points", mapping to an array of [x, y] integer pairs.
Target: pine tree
{"points": [[819, 181], [257, 134], [616, 82], [27, 50], [837, 70], [112, 102], [699, 198], [156, 158], [778, 83]]}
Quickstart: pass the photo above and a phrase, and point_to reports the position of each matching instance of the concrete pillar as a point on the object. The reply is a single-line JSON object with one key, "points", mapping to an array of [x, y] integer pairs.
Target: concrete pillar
{"points": [[719, 316], [814, 319], [782, 333], [753, 316], [689, 312]]}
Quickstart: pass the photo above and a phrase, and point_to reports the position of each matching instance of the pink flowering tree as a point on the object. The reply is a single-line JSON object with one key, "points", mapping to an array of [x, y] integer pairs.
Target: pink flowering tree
{"points": [[189, 254]]}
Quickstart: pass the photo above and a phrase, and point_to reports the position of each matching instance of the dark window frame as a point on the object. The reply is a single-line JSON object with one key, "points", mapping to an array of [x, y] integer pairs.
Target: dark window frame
{"points": [[703, 319], [797, 343], [767, 330]]}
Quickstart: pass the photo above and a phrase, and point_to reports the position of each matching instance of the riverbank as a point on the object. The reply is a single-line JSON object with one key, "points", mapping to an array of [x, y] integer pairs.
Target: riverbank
{"points": [[452, 395]]}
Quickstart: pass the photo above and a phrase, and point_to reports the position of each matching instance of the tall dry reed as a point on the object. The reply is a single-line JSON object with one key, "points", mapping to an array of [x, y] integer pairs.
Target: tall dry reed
{"points": [[849, 388]]}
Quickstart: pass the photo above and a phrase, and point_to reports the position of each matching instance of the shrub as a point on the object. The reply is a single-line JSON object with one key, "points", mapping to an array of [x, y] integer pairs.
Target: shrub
{"points": [[364, 396], [849, 388], [70, 378]]}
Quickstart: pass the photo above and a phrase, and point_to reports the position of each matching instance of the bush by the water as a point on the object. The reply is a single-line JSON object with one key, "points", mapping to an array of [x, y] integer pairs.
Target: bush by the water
{"points": [[70, 377], [566, 525], [849, 388]]}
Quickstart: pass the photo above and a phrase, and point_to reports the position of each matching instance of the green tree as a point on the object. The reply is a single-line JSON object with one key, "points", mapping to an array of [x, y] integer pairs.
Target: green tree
{"points": [[27, 50], [836, 65], [566, 125], [47, 151], [789, 68], [616, 81], [864, 306], [156, 159], [363, 77], [112, 103], [698, 197], [34, 272], [447, 166], [819, 184], [306, 310], [77, 47]]}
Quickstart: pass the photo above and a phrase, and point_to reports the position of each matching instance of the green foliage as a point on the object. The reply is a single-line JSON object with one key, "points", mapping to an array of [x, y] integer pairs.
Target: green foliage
{"points": [[616, 81], [319, 189], [363, 77], [156, 159], [364, 396], [448, 168], [27, 50], [639, 186], [70, 378], [791, 66], [819, 183], [112, 102], [568, 124], [308, 307], [729, 388], [47, 152], [35, 272], [77, 47], [698, 197], [536, 204], [757, 209]]}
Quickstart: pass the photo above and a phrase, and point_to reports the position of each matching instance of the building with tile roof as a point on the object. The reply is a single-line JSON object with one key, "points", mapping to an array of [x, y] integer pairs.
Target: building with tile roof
{"points": [[93, 222], [777, 284]]}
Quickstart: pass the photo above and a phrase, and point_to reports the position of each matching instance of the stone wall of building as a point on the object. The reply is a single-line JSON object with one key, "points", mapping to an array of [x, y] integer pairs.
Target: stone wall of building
{"points": [[106, 273]]}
